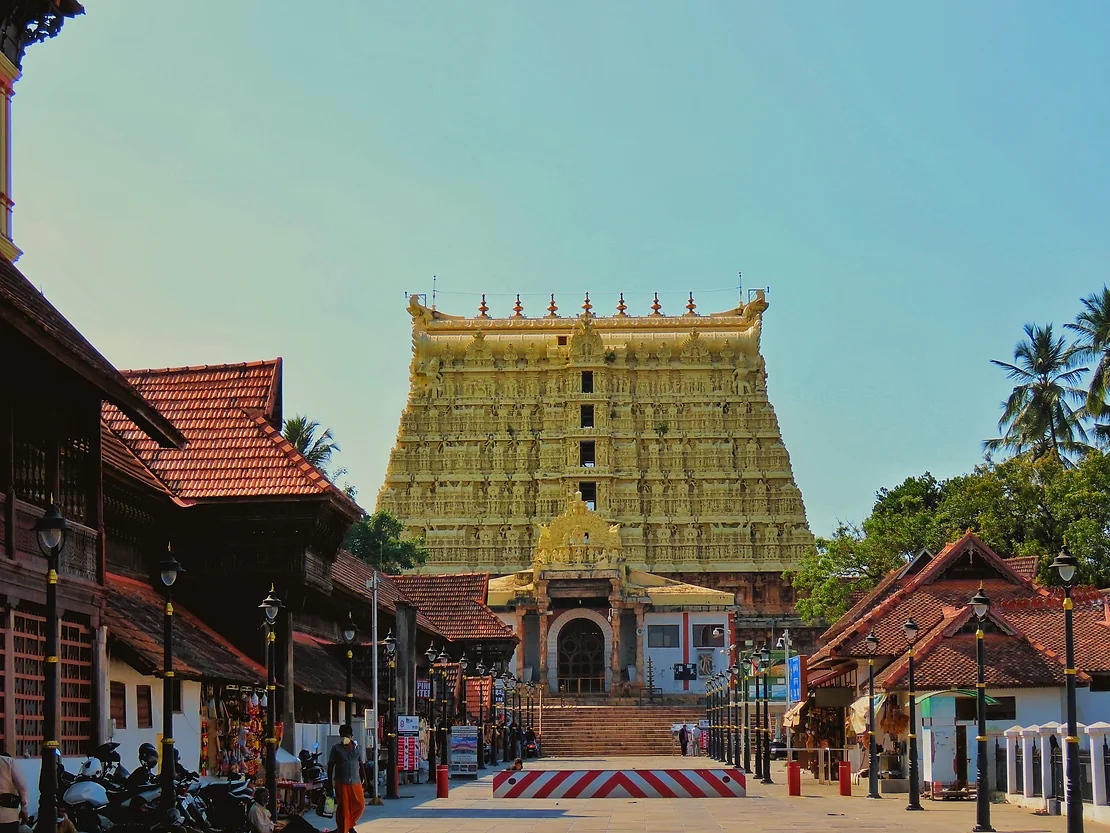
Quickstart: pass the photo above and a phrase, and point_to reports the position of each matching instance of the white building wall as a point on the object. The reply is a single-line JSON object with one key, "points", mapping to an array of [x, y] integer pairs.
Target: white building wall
{"points": [[664, 659]]}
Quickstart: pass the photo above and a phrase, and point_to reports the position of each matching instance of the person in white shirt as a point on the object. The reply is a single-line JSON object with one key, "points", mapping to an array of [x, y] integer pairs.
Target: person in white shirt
{"points": [[13, 796]]}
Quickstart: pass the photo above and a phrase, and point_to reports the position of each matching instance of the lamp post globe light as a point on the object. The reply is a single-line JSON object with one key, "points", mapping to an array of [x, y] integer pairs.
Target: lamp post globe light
{"points": [[444, 717], [715, 727], [390, 646], [168, 571], [350, 631], [910, 629], [464, 664], [481, 669], [734, 677], [433, 739], [981, 605], [765, 663], [871, 641], [1066, 566], [270, 607], [745, 667], [757, 741], [51, 530]]}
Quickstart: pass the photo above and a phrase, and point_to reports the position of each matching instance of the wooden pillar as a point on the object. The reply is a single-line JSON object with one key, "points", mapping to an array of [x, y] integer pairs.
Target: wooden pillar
{"points": [[7, 476], [100, 695], [520, 645], [545, 619], [94, 515], [405, 618], [616, 606], [288, 716], [9, 690]]}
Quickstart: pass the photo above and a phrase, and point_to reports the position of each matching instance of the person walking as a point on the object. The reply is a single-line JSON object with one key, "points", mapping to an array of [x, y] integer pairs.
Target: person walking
{"points": [[13, 796], [345, 776], [683, 736]]}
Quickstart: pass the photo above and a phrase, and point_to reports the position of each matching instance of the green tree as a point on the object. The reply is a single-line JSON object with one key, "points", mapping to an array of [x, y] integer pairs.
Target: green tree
{"points": [[315, 445], [1040, 416], [379, 540], [1092, 327]]}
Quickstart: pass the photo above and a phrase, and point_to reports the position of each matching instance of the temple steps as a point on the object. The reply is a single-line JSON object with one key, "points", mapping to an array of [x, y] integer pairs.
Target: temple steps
{"points": [[575, 731]]}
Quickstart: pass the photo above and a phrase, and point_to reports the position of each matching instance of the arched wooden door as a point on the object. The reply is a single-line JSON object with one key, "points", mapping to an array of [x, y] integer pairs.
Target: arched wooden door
{"points": [[581, 657]]}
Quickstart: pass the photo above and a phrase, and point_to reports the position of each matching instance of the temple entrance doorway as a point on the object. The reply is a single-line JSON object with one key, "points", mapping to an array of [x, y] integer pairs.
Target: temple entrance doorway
{"points": [[581, 654]]}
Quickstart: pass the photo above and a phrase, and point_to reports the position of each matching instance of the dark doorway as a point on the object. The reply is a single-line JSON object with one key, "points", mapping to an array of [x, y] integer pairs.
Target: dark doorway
{"points": [[581, 657], [961, 754]]}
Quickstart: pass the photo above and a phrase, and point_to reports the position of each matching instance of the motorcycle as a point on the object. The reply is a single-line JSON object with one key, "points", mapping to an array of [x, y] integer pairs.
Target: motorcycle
{"points": [[314, 774], [226, 803]]}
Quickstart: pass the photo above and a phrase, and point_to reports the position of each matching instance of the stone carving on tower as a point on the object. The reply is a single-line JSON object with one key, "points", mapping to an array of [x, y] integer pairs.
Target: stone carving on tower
{"points": [[579, 539], [661, 422]]}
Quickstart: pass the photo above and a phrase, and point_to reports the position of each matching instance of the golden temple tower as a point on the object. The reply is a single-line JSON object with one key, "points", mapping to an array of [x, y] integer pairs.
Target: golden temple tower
{"points": [[662, 422]]}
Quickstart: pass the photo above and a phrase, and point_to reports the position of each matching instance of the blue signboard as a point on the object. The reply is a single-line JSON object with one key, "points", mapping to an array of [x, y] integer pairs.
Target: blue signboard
{"points": [[794, 678]]}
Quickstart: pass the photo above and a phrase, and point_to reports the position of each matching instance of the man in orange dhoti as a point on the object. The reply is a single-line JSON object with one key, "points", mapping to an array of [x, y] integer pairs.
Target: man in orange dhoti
{"points": [[345, 774]]}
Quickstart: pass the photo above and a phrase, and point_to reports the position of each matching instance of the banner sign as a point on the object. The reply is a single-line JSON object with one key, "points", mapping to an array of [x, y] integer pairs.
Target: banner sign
{"points": [[408, 754], [796, 679], [408, 724], [464, 750], [423, 688]]}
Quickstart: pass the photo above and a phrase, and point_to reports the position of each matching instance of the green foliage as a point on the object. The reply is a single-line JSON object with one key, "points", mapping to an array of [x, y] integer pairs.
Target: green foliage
{"points": [[315, 445], [378, 540], [1020, 507], [1092, 327]]}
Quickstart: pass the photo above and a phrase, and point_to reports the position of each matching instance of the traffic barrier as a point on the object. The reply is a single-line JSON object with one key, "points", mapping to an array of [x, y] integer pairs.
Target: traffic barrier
{"points": [[793, 778], [620, 783], [442, 782], [845, 778]]}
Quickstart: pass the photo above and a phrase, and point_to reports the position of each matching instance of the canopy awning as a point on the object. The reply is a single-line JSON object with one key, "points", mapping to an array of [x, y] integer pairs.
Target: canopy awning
{"points": [[857, 712], [793, 715], [954, 692]]}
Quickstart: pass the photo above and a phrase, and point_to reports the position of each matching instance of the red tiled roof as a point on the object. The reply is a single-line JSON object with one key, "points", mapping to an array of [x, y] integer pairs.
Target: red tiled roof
{"points": [[456, 605], [27, 311], [1010, 662], [122, 459], [318, 669], [135, 615], [925, 596], [225, 413], [350, 574], [1024, 565], [1041, 618]]}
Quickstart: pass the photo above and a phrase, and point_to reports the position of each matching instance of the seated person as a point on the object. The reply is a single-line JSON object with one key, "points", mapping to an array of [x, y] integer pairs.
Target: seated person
{"points": [[515, 766], [258, 817]]}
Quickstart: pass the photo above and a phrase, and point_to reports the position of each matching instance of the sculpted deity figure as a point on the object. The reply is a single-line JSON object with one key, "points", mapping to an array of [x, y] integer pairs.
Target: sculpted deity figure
{"points": [[759, 498]]}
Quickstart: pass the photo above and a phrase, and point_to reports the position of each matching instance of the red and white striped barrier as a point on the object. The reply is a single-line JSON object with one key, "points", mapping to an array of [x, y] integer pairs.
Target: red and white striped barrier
{"points": [[620, 783]]}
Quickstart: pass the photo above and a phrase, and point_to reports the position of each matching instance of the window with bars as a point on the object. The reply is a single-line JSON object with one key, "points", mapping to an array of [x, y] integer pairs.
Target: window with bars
{"points": [[144, 716], [117, 703], [26, 678]]}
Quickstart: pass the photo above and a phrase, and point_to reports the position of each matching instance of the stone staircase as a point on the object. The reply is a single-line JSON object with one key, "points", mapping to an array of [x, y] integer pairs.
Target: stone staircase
{"points": [[607, 730]]}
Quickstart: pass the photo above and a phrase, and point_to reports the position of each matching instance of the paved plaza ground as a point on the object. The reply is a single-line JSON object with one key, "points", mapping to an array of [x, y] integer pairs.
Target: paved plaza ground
{"points": [[471, 809]]}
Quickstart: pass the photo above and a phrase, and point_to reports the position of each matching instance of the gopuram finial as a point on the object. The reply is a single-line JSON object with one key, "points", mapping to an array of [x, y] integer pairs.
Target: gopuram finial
{"points": [[691, 306], [587, 306], [482, 308], [551, 308], [621, 307], [656, 306], [517, 308]]}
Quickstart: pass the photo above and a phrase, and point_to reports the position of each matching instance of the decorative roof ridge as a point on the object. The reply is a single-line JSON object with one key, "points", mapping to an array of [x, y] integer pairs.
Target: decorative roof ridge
{"points": [[195, 368], [1053, 597], [851, 613], [314, 475], [894, 672], [216, 636]]}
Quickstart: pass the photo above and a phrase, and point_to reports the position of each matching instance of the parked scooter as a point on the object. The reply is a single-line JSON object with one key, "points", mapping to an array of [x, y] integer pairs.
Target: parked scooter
{"points": [[314, 773]]}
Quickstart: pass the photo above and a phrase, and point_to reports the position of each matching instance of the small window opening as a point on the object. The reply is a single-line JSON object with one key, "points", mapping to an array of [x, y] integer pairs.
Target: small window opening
{"points": [[586, 453], [562, 341], [587, 381], [589, 494], [587, 416]]}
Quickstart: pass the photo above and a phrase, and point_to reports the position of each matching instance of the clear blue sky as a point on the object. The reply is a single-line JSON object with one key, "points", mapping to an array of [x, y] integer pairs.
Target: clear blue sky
{"points": [[209, 182]]}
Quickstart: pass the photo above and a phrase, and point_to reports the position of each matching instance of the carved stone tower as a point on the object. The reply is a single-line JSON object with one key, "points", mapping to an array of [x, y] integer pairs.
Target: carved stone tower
{"points": [[661, 422]]}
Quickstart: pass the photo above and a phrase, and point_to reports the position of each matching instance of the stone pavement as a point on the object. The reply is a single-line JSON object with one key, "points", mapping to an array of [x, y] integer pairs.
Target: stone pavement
{"points": [[470, 809]]}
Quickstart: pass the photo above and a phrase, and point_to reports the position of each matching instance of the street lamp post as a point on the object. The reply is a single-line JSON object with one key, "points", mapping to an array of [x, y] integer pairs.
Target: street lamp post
{"points": [[507, 739], [270, 607], [350, 631], [757, 741], [784, 645], [1066, 565], [443, 659], [734, 674], [745, 666], [169, 570], [711, 713], [52, 530], [464, 664], [981, 605], [481, 669], [390, 645], [765, 656], [910, 630], [730, 701], [433, 737], [872, 642]]}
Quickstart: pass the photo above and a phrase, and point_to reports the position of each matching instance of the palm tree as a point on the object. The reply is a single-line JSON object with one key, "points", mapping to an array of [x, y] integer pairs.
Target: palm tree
{"points": [[1093, 328], [314, 445], [1040, 417]]}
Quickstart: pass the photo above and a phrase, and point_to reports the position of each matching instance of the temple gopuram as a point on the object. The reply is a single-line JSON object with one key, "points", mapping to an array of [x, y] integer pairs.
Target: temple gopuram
{"points": [[661, 422]]}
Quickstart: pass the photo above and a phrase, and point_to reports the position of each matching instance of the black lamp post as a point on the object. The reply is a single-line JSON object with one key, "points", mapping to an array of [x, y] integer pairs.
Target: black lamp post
{"points": [[350, 631], [168, 570], [52, 530], [390, 645], [510, 717], [757, 741], [746, 665], [981, 605], [464, 664], [872, 643], [444, 721], [734, 676], [910, 630], [765, 657], [433, 738], [270, 607], [481, 669], [730, 698], [1066, 565]]}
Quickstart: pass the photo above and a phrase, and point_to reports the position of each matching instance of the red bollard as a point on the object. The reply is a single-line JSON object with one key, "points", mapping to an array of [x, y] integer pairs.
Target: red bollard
{"points": [[793, 778], [845, 778], [441, 781]]}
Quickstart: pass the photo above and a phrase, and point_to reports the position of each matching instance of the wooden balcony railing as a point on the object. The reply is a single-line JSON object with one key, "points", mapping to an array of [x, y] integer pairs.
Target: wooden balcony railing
{"points": [[80, 556]]}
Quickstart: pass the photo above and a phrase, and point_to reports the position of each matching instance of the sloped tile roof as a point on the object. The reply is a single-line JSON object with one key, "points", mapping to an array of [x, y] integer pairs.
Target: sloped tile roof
{"points": [[225, 412], [118, 457], [350, 574], [1010, 662], [924, 596], [135, 615], [26, 310], [1024, 565], [318, 669], [1041, 618], [456, 605]]}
